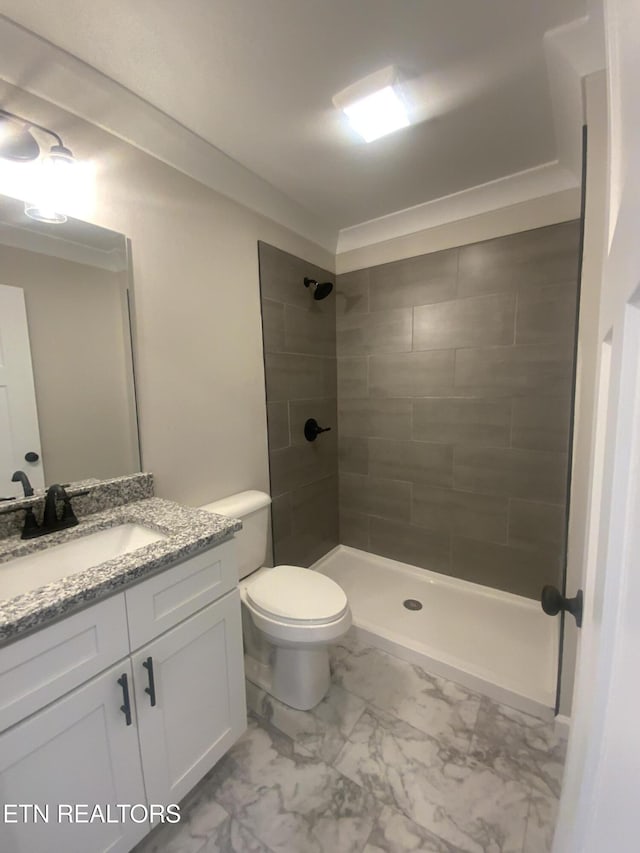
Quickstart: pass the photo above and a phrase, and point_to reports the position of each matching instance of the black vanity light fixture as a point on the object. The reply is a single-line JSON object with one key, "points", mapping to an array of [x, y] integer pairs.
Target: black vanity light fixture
{"points": [[320, 290], [19, 143]]}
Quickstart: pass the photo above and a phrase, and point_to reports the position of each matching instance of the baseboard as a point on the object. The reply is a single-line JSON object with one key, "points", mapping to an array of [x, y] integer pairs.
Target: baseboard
{"points": [[562, 726]]}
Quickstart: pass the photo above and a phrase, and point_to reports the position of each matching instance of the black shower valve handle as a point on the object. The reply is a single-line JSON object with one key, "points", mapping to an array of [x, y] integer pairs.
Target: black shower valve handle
{"points": [[312, 429]]}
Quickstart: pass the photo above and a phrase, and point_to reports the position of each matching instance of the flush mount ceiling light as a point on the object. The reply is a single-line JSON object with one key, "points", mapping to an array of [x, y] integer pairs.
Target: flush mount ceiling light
{"points": [[374, 105]]}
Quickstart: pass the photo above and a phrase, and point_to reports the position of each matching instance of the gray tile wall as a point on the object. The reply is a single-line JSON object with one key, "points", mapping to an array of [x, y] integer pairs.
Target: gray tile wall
{"points": [[300, 367], [454, 383]]}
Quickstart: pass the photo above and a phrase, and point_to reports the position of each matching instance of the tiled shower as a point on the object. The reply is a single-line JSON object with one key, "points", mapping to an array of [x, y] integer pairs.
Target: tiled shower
{"points": [[299, 335], [453, 388]]}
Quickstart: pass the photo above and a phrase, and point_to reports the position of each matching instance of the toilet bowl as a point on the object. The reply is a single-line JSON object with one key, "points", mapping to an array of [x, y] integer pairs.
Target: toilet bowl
{"points": [[290, 614]]}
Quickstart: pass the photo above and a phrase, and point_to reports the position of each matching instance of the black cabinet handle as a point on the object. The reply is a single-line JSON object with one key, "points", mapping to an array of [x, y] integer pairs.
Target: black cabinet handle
{"points": [[123, 681], [312, 429], [553, 601], [151, 689], [31, 456]]}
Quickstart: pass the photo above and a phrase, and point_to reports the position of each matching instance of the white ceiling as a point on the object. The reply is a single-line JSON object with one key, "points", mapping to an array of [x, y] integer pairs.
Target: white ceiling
{"points": [[255, 78]]}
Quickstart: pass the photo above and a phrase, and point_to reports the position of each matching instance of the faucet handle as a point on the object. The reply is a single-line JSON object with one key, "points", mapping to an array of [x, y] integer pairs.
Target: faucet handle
{"points": [[31, 528], [68, 517]]}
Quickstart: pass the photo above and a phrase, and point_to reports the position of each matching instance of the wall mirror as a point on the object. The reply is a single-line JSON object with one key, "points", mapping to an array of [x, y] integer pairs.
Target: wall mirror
{"points": [[67, 392]]}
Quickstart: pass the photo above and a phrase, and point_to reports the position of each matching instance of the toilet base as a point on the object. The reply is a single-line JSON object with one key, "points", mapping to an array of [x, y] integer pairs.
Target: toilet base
{"points": [[299, 678]]}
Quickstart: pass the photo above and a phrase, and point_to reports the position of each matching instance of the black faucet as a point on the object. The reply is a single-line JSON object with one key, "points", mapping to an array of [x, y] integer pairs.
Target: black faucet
{"points": [[21, 477], [50, 520]]}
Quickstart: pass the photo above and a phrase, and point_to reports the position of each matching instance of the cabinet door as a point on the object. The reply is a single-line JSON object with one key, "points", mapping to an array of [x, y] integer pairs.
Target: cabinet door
{"points": [[196, 671], [77, 751]]}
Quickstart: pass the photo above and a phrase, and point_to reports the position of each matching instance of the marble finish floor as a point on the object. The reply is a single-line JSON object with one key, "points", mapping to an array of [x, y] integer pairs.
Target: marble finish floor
{"points": [[393, 760]]}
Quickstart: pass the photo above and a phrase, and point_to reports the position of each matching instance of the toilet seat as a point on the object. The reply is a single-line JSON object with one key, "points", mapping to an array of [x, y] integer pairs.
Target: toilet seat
{"points": [[295, 596]]}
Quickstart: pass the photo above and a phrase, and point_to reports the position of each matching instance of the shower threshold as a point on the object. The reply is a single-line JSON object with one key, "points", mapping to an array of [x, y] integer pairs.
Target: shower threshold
{"points": [[494, 642]]}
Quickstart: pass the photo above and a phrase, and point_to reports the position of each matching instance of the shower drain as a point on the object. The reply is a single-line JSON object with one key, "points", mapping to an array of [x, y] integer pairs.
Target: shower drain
{"points": [[412, 604]]}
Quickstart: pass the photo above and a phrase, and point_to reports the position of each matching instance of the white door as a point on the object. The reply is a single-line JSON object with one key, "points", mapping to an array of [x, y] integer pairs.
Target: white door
{"points": [[77, 751], [19, 432], [190, 696], [600, 797]]}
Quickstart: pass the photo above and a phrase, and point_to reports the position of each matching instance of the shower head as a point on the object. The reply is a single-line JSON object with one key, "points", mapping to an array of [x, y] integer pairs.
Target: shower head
{"points": [[320, 290]]}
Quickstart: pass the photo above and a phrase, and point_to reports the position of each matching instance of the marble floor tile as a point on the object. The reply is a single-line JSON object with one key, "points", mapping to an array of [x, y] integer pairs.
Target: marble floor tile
{"points": [[518, 746], [514, 728], [543, 812], [394, 833], [438, 707], [170, 839], [231, 837], [320, 732], [394, 760], [292, 802], [470, 806], [206, 827], [346, 645]]}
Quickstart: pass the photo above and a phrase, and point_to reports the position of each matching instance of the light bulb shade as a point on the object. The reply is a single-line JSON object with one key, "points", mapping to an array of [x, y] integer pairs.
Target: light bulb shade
{"points": [[44, 214], [60, 155], [55, 184], [55, 187], [16, 142]]}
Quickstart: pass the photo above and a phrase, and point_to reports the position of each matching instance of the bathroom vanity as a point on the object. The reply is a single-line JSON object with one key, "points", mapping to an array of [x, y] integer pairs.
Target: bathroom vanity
{"points": [[121, 684]]}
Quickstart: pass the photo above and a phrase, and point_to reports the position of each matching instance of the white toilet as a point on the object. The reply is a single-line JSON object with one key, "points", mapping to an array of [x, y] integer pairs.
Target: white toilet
{"points": [[290, 614]]}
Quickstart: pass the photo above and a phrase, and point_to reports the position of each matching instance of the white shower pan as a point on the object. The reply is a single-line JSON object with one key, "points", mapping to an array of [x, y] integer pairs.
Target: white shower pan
{"points": [[494, 642]]}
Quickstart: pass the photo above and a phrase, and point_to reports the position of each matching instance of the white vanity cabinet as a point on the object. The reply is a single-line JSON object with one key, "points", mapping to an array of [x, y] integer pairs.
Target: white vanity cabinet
{"points": [[194, 673], [77, 750], [89, 745]]}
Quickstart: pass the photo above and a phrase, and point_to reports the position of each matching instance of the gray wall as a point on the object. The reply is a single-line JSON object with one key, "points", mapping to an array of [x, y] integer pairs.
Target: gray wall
{"points": [[198, 347], [300, 366], [454, 382]]}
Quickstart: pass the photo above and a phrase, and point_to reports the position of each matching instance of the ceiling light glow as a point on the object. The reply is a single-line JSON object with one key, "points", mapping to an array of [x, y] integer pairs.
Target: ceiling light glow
{"points": [[374, 105], [377, 114], [54, 185]]}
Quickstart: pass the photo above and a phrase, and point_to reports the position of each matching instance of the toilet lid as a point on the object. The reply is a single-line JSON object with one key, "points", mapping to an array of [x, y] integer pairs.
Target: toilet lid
{"points": [[295, 594]]}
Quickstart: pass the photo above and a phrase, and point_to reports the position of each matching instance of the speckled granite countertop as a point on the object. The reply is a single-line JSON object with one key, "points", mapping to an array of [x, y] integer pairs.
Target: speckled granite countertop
{"points": [[188, 531]]}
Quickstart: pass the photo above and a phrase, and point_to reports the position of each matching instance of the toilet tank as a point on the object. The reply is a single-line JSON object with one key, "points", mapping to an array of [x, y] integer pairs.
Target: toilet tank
{"points": [[252, 508]]}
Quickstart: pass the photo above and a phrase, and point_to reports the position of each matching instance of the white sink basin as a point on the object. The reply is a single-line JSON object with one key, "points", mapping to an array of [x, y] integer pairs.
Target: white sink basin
{"points": [[51, 564]]}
